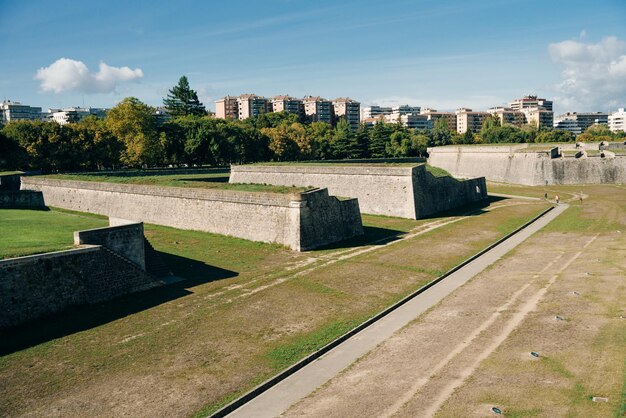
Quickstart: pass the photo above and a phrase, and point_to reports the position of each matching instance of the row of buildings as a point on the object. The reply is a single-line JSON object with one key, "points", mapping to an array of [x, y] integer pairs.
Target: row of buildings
{"points": [[313, 108], [527, 110], [12, 111]]}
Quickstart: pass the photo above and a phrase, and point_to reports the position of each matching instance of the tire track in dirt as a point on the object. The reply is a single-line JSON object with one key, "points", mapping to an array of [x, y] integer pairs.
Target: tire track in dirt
{"points": [[529, 306], [406, 397]]}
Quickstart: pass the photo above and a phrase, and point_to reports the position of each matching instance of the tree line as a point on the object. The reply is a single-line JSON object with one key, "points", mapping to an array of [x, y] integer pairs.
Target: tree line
{"points": [[131, 136]]}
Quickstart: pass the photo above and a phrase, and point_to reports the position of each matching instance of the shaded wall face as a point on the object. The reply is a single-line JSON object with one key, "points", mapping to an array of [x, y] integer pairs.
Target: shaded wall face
{"points": [[125, 240], [35, 286]]}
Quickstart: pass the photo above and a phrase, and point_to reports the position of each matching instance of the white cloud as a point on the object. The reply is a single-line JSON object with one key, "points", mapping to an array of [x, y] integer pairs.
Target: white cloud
{"points": [[68, 75], [594, 74]]}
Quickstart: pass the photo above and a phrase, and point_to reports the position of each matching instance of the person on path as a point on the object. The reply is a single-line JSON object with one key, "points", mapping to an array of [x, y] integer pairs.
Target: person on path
{"points": [[557, 199]]}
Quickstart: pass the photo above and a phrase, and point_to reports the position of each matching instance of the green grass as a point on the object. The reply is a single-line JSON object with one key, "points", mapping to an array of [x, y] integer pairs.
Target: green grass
{"points": [[205, 180], [8, 173], [573, 220], [341, 164], [437, 172], [287, 353], [27, 232], [235, 326]]}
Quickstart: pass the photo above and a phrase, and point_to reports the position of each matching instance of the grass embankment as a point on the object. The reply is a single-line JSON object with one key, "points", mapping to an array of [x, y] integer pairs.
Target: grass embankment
{"points": [[8, 173], [583, 355], [250, 310], [26, 232], [206, 181], [339, 163]]}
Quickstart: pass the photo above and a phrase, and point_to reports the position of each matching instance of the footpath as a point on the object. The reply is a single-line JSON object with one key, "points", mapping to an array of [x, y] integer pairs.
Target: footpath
{"points": [[277, 399]]}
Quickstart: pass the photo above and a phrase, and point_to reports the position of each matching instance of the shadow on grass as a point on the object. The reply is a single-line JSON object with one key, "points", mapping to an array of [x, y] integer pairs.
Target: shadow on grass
{"points": [[371, 235], [472, 209], [221, 179], [80, 318]]}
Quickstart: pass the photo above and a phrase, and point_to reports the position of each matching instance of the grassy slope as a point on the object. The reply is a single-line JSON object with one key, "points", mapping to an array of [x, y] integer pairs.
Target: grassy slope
{"points": [[243, 317], [26, 232], [207, 181]]}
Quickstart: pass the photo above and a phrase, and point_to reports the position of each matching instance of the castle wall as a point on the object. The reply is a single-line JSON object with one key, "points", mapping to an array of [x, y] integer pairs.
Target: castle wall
{"points": [[126, 240], [519, 164], [21, 199], [39, 285], [265, 217], [407, 192]]}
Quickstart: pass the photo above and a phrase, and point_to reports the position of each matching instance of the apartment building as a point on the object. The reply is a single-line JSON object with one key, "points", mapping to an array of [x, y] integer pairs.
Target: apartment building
{"points": [[467, 119], [617, 121], [287, 104], [12, 111], [250, 105], [433, 116], [409, 120], [317, 109], [371, 112], [508, 116], [569, 125], [582, 121], [406, 110], [226, 108], [539, 117], [530, 102], [348, 109]]}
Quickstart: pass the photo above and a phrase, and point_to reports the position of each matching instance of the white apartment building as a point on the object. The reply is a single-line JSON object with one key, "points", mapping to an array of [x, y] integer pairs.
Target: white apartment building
{"points": [[581, 121], [530, 101], [370, 112], [467, 119], [409, 120], [617, 121], [12, 111]]}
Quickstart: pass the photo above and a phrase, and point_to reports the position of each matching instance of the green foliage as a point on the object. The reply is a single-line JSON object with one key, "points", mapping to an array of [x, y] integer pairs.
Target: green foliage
{"points": [[504, 134], [133, 123], [183, 101], [556, 135], [12, 156], [441, 134]]}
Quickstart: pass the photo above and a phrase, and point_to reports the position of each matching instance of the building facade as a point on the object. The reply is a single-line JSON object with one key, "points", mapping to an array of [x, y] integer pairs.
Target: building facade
{"points": [[348, 109], [433, 116], [12, 111], [508, 116], [582, 120], [467, 119], [226, 108], [530, 102], [617, 121], [287, 104], [250, 105], [317, 109]]}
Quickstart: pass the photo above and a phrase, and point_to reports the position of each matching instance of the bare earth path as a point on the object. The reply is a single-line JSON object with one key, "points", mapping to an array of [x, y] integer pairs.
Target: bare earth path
{"points": [[560, 294], [279, 398]]}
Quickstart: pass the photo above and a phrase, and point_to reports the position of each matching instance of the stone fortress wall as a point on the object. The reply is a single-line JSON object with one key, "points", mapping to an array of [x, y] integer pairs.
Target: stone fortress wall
{"points": [[301, 221], [523, 164], [39, 285], [402, 191]]}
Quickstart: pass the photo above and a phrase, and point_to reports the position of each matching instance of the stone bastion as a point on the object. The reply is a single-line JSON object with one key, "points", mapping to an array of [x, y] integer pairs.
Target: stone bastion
{"points": [[300, 221], [402, 191], [528, 165]]}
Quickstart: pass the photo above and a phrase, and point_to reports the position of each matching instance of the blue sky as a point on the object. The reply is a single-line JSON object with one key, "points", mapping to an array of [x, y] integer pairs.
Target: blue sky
{"points": [[441, 54]]}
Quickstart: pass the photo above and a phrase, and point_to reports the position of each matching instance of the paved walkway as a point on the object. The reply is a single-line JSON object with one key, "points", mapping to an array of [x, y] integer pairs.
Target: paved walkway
{"points": [[279, 398]]}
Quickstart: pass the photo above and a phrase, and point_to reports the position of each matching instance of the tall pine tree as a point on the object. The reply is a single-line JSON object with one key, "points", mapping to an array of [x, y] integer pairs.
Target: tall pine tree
{"points": [[182, 100]]}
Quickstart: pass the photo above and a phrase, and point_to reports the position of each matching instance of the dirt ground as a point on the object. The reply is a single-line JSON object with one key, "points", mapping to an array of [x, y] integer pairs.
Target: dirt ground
{"points": [[190, 347], [471, 352]]}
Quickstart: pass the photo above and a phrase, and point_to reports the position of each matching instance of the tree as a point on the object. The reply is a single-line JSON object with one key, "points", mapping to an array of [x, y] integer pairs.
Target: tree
{"points": [[183, 101], [440, 133], [12, 156], [556, 135], [344, 144], [379, 136], [133, 123]]}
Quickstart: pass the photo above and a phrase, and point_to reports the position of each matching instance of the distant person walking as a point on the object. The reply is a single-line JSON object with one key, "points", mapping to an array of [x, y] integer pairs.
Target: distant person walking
{"points": [[556, 198]]}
